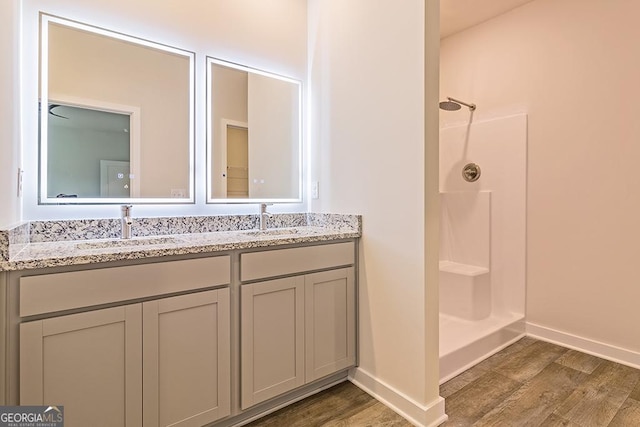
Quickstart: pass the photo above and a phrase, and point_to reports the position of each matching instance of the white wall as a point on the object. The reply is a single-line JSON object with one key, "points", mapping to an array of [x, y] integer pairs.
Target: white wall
{"points": [[573, 65], [264, 35], [367, 66], [9, 112]]}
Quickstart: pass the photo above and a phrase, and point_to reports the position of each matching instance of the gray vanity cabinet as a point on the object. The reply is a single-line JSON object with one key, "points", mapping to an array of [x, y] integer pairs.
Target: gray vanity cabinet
{"points": [[88, 362], [195, 341], [330, 331], [158, 362], [297, 329], [272, 337], [186, 359]]}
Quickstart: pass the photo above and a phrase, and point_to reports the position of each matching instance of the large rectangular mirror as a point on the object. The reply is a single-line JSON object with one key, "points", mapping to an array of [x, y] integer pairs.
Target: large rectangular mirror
{"points": [[116, 117], [254, 135]]}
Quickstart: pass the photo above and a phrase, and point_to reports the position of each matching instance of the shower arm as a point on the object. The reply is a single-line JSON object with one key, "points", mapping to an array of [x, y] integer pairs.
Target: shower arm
{"points": [[470, 106]]}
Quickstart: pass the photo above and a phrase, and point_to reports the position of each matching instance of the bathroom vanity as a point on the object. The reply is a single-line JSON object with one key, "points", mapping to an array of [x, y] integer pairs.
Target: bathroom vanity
{"points": [[194, 329], [192, 321]]}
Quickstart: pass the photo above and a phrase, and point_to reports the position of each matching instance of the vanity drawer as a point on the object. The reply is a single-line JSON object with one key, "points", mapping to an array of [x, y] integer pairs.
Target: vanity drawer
{"points": [[282, 262], [65, 291]]}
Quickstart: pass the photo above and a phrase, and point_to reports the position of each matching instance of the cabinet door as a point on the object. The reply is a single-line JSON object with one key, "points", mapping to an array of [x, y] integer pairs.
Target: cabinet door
{"points": [[272, 338], [329, 322], [186, 359], [89, 363]]}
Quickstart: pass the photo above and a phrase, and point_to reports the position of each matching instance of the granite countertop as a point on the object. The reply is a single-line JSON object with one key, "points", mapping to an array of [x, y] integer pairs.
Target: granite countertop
{"points": [[43, 254]]}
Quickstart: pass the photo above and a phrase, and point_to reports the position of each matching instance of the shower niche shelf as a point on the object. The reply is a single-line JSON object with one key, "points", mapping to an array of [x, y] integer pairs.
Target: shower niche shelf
{"points": [[465, 247], [462, 269]]}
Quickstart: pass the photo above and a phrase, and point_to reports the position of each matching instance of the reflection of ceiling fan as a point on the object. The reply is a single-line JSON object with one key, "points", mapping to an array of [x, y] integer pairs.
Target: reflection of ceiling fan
{"points": [[51, 107]]}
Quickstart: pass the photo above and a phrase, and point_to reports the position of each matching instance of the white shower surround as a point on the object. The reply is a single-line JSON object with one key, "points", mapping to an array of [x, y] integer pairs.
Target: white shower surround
{"points": [[465, 254], [499, 147]]}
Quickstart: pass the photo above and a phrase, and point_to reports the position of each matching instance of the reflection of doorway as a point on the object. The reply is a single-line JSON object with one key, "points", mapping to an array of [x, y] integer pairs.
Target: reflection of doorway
{"points": [[114, 179], [237, 161], [80, 134]]}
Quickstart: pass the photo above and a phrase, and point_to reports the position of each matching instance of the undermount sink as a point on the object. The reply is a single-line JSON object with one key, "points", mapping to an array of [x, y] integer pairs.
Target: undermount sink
{"points": [[273, 232], [122, 243]]}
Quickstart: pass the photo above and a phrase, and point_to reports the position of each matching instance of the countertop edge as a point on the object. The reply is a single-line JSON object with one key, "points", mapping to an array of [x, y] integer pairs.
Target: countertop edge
{"points": [[57, 258]]}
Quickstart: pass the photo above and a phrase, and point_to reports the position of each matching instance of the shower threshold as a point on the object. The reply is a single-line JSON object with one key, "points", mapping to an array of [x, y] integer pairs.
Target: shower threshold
{"points": [[465, 343]]}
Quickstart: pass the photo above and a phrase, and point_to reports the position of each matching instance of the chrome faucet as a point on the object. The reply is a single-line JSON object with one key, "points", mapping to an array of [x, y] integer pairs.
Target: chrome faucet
{"points": [[264, 215], [125, 221]]}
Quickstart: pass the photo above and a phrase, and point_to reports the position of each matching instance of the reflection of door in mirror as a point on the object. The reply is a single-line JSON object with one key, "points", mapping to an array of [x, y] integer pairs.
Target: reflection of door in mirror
{"points": [[269, 106], [237, 161], [114, 179], [84, 145]]}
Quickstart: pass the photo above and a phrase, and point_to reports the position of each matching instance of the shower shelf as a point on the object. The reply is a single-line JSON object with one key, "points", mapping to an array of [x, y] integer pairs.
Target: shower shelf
{"points": [[462, 269]]}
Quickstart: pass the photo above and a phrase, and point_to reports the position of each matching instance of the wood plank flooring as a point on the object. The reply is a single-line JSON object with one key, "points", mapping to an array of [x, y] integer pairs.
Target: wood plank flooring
{"points": [[535, 383], [339, 406], [530, 383]]}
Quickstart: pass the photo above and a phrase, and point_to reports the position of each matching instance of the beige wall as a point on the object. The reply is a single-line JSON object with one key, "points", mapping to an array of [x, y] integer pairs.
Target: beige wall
{"points": [[9, 112], [573, 65], [367, 66]]}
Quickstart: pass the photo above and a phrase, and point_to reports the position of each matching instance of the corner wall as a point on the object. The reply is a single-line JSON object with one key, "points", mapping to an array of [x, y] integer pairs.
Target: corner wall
{"points": [[9, 112], [573, 66], [367, 67]]}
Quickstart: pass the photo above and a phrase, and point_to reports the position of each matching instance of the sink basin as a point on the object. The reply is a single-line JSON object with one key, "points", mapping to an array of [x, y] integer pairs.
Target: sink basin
{"points": [[123, 243], [273, 232]]}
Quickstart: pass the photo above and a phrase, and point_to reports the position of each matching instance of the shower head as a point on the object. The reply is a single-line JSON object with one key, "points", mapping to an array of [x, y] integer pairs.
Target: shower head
{"points": [[450, 106], [453, 104]]}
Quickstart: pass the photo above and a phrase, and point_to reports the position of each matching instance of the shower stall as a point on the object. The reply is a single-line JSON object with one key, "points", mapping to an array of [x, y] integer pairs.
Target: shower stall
{"points": [[482, 235]]}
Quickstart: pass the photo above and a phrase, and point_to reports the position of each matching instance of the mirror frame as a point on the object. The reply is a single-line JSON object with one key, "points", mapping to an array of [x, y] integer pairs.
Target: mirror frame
{"points": [[44, 99], [210, 61]]}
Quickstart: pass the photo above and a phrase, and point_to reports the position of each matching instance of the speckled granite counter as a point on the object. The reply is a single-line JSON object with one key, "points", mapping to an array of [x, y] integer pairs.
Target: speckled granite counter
{"points": [[58, 243]]}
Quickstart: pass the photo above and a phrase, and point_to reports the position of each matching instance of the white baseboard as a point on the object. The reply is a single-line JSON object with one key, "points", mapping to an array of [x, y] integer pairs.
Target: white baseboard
{"points": [[585, 345], [430, 415]]}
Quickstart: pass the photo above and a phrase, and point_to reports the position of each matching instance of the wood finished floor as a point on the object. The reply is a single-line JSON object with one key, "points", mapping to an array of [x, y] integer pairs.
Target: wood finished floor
{"points": [[341, 405], [535, 383], [530, 383]]}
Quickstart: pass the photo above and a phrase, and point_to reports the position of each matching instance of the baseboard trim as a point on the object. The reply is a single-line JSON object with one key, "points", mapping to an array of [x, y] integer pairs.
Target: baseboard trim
{"points": [[585, 345], [430, 415]]}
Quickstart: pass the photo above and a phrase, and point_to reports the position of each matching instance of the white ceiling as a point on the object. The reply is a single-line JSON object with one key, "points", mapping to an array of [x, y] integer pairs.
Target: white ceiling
{"points": [[456, 15]]}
